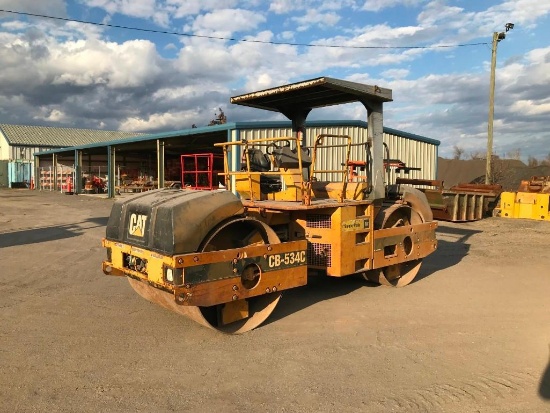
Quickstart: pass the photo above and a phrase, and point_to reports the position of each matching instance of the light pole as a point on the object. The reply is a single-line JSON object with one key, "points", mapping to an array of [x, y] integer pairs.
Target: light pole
{"points": [[497, 37]]}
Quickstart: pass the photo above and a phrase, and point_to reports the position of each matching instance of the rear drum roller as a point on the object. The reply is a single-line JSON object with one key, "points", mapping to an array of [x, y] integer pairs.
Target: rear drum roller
{"points": [[235, 233], [396, 275]]}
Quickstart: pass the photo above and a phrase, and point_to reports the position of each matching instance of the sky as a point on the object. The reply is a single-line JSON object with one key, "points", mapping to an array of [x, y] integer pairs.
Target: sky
{"points": [[190, 56]]}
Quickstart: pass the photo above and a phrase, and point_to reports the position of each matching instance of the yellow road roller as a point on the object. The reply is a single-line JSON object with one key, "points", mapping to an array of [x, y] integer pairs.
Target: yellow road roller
{"points": [[223, 257]]}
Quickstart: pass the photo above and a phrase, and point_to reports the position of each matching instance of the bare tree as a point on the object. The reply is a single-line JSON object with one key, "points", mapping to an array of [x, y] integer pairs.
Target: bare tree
{"points": [[457, 152], [546, 161], [532, 161], [477, 155], [514, 154], [500, 170]]}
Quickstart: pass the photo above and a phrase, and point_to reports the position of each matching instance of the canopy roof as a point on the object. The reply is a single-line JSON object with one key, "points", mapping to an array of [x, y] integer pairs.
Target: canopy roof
{"points": [[314, 93]]}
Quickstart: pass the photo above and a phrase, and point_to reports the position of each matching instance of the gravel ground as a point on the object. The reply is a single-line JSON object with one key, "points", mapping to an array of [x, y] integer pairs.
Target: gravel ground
{"points": [[471, 334]]}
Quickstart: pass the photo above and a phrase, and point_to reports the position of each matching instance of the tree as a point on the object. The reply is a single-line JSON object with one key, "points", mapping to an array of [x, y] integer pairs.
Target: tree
{"points": [[532, 161], [478, 155], [500, 170], [514, 154], [457, 152], [218, 119]]}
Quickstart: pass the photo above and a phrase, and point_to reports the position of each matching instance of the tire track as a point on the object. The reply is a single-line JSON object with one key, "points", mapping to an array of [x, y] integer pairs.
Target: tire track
{"points": [[483, 388]]}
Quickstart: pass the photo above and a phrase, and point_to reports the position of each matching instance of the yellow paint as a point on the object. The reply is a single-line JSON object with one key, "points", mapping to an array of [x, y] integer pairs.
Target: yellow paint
{"points": [[525, 205]]}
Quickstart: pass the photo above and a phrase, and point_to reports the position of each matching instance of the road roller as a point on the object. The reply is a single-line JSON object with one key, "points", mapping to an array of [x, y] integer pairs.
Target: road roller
{"points": [[224, 257]]}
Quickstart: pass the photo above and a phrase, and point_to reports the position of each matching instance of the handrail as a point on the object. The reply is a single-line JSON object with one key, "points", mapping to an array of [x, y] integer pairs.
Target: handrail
{"points": [[319, 142], [248, 143]]}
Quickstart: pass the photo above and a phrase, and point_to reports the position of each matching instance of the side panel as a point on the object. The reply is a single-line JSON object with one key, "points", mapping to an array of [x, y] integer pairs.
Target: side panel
{"points": [[339, 239], [525, 205], [216, 277], [401, 244]]}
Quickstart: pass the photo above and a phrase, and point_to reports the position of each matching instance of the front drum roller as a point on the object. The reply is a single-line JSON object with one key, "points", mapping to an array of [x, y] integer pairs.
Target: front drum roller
{"points": [[402, 274], [234, 233]]}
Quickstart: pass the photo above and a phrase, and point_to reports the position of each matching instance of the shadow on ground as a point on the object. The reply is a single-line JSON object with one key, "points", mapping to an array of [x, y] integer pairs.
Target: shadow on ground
{"points": [[319, 288], [450, 251], [544, 388], [452, 246], [45, 234]]}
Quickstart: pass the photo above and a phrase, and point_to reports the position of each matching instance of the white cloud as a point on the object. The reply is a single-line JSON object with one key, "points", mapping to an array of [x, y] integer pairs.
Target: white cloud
{"points": [[50, 7], [287, 36], [395, 73], [285, 6], [83, 63], [531, 107], [453, 108], [378, 5], [72, 74], [15, 25], [521, 12], [144, 9], [54, 115], [449, 21], [160, 121], [260, 82], [315, 18], [380, 34], [290, 6], [184, 8], [227, 21]]}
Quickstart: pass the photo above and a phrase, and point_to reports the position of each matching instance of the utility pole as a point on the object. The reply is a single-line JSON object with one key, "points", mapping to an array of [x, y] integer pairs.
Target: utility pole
{"points": [[497, 37]]}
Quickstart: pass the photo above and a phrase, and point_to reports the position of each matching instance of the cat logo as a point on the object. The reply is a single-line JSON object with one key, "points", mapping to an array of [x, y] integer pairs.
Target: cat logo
{"points": [[136, 226]]}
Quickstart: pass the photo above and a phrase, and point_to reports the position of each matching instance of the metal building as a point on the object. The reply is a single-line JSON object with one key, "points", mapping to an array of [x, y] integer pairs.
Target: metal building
{"points": [[19, 143], [413, 150], [156, 155]]}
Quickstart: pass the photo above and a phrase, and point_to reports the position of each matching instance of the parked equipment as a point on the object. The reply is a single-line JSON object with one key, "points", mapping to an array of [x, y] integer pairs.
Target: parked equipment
{"points": [[460, 203], [531, 201], [94, 185], [223, 260]]}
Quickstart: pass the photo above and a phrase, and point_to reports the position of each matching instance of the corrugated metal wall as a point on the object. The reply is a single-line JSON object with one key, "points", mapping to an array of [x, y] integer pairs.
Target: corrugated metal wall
{"points": [[23, 152], [414, 153]]}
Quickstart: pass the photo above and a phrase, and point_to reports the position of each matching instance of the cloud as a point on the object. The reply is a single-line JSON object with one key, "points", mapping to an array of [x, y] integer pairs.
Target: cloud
{"points": [[136, 8], [378, 5], [70, 74], [453, 108], [159, 121], [449, 21], [395, 73], [315, 18], [224, 22], [185, 8], [291, 6], [50, 7]]}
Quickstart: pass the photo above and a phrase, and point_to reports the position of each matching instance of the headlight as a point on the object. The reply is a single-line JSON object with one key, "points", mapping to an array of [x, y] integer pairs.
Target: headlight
{"points": [[173, 276]]}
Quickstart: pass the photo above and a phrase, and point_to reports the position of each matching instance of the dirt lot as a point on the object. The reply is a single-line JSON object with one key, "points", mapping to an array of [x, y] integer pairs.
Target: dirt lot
{"points": [[472, 334]]}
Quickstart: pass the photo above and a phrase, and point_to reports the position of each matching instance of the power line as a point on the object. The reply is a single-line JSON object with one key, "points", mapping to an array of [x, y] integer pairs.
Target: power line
{"points": [[115, 26]]}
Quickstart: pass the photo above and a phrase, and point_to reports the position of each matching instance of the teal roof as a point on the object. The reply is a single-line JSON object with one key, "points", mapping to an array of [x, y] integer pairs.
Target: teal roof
{"points": [[225, 128]]}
